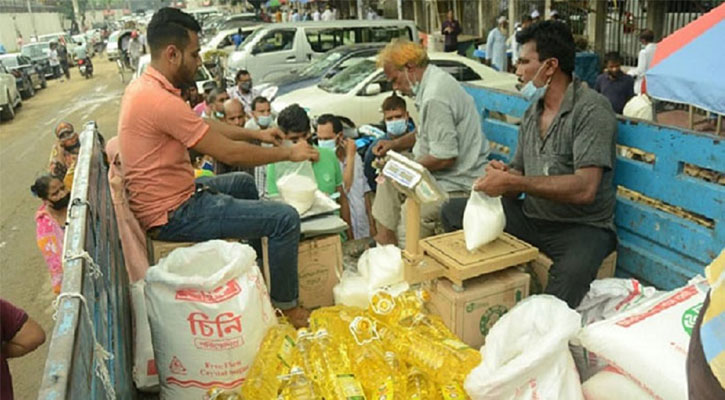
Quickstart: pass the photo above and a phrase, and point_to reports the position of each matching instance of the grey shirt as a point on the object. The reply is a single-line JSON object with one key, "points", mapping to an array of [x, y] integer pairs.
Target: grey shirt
{"points": [[450, 127], [582, 134]]}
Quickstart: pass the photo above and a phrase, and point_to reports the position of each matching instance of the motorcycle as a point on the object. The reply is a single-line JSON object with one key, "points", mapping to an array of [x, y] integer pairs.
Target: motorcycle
{"points": [[86, 68]]}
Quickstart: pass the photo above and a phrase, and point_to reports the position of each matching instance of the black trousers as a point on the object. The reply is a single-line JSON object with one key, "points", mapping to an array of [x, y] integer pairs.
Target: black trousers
{"points": [[577, 250]]}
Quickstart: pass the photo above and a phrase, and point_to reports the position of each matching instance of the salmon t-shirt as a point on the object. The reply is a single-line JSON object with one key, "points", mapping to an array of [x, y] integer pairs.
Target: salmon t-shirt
{"points": [[155, 130]]}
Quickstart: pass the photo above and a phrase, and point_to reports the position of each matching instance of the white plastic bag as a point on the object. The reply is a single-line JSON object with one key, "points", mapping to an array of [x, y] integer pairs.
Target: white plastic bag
{"points": [[483, 220], [145, 374], [209, 310], [352, 290], [381, 266], [296, 184], [649, 342], [526, 355], [610, 296], [610, 384]]}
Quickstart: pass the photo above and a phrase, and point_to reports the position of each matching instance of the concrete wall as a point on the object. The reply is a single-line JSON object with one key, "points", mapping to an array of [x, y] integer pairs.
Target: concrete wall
{"points": [[38, 23]]}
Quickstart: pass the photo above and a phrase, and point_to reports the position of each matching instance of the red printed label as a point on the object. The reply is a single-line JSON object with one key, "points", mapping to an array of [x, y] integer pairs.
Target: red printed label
{"points": [[218, 295], [218, 344], [176, 367], [223, 324], [672, 301], [204, 385], [151, 368]]}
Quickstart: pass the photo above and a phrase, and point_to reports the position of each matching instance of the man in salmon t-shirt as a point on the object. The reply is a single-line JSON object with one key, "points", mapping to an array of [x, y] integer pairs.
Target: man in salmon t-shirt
{"points": [[156, 129]]}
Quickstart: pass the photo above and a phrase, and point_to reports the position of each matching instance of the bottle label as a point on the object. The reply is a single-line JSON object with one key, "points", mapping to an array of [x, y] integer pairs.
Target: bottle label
{"points": [[452, 392], [285, 351], [455, 344], [350, 387], [386, 391]]}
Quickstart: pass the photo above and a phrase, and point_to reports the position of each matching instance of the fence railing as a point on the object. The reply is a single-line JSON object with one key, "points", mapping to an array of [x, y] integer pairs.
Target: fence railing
{"points": [[93, 314], [670, 221]]}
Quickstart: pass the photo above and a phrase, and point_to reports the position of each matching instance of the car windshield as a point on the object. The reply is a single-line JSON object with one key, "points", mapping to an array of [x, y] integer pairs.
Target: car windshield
{"points": [[35, 50], [319, 66], [251, 38], [10, 61], [349, 78]]}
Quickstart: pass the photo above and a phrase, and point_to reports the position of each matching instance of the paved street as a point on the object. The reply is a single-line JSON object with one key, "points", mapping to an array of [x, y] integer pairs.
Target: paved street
{"points": [[25, 144]]}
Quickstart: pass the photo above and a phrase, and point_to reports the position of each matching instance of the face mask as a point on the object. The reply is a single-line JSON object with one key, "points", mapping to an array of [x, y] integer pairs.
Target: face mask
{"points": [[73, 147], [246, 86], [533, 93], [396, 127], [327, 144], [207, 165], [264, 120], [219, 114], [60, 203], [413, 87], [287, 143]]}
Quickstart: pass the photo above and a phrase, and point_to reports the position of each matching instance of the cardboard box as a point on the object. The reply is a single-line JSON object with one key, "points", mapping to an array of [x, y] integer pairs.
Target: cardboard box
{"points": [[542, 264], [319, 270], [158, 249], [471, 313]]}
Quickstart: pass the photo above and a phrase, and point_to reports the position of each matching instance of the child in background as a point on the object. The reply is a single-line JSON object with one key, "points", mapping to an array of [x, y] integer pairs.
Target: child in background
{"points": [[295, 124], [355, 185], [202, 163]]}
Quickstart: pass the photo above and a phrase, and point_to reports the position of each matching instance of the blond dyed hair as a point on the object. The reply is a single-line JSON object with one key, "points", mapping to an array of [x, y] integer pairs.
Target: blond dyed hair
{"points": [[401, 52]]}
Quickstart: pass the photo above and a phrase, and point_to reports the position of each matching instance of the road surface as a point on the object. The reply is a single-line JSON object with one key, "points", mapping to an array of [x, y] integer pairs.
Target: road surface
{"points": [[25, 144]]}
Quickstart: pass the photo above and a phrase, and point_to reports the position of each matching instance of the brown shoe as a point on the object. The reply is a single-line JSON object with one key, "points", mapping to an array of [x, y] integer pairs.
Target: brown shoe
{"points": [[298, 317]]}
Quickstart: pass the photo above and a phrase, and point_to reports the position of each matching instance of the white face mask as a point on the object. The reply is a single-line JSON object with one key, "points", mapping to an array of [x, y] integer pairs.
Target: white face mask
{"points": [[414, 87]]}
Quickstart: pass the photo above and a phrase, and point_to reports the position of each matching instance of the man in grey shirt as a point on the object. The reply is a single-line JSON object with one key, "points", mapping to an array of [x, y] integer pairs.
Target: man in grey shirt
{"points": [[448, 142], [564, 164]]}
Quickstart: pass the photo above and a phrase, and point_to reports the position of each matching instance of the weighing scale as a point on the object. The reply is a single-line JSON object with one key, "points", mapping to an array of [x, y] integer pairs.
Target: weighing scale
{"points": [[444, 255]]}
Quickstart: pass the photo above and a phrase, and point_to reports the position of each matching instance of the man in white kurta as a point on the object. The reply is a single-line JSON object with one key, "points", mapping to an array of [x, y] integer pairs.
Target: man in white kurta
{"points": [[496, 46]]}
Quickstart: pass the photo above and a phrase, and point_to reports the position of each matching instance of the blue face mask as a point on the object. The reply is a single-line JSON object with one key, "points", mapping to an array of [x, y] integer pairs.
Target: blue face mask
{"points": [[327, 144], [533, 93], [396, 127], [264, 120]]}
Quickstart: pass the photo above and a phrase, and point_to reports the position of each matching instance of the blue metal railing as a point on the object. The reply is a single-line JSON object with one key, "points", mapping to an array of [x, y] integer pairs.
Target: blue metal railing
{"points": [[675, 224]]}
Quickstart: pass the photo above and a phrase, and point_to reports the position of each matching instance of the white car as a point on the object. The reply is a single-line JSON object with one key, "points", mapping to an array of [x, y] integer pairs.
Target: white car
{"points": [[202, 74], [223, 40], [358, 91], [9, 95]]}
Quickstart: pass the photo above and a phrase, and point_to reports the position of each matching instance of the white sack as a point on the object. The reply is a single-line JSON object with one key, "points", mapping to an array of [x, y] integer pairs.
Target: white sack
{"points": [[649, 342], [145, 374], [483, 220], [610, 384], [526, 355], [209, 310]]}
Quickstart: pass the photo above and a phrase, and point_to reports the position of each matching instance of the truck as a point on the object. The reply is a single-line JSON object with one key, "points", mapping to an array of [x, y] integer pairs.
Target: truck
{"points": [[670, 223]]}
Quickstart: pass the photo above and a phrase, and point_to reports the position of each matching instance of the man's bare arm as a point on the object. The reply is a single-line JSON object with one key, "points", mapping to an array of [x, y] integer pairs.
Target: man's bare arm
{"points": [[248, 155]]}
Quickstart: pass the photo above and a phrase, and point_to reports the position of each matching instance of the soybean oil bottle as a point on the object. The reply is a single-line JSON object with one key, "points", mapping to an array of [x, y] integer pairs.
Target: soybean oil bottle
{"points": [[337, 380], [273, 359], [297, 386]]}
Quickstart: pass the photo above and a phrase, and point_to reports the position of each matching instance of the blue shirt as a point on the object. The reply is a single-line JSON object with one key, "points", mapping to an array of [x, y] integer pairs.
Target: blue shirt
{"points": [[618, 90]]}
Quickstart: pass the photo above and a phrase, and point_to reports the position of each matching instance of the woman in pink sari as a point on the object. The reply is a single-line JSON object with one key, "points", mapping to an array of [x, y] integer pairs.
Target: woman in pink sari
{"points": [[50, 224]]}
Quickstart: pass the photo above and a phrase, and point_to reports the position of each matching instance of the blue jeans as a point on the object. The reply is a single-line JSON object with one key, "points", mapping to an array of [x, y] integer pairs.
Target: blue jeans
{"points": [[229, 208]]}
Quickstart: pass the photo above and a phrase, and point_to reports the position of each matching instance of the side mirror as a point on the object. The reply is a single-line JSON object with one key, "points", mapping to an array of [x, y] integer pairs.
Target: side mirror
{"points": [[373, 89]]}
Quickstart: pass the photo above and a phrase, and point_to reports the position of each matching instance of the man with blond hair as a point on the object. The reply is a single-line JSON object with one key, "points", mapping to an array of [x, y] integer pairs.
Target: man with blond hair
{"points": [[449, 141]]}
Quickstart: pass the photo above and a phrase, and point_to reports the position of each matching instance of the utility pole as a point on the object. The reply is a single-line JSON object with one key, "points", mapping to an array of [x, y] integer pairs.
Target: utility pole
{"points": [[32, 19]]}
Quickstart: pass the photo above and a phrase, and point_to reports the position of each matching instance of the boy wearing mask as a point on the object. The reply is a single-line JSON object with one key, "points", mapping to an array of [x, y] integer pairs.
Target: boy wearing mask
{"points": [[330, 136], [295, 125], [400, 137]]}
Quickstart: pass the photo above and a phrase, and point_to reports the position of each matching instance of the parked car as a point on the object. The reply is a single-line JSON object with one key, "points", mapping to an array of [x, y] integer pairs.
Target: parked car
{"points": [[202, 74], [279, 48], [112, 50], [9, 96], [39, 53], [325, 67], [223, 40], [230, 22], [358, 91], [28, 76], [55, 37]]}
